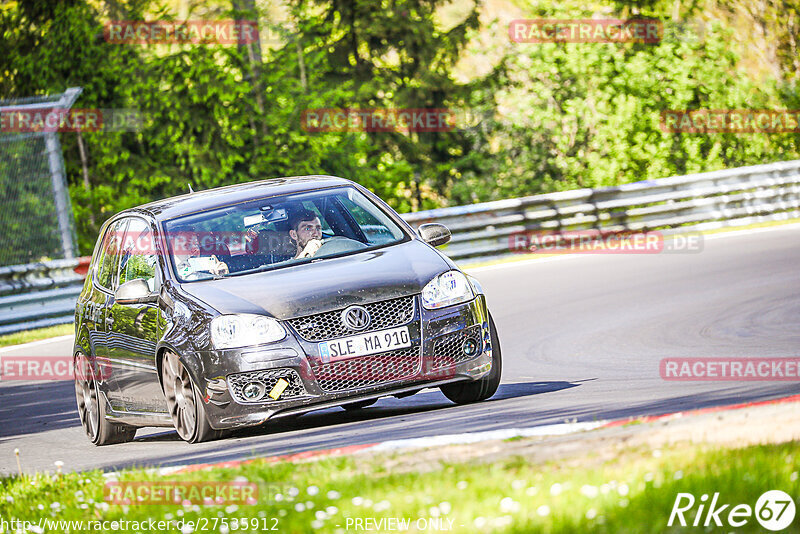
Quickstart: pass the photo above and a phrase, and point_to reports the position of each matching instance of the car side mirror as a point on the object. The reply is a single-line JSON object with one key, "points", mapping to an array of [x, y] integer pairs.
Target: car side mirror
{"points": [[434, 234], [135, 292]]}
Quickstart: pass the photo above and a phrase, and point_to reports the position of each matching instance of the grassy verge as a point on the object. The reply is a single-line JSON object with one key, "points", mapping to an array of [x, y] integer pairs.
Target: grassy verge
{"points": [[634, 492], [36, 334]]}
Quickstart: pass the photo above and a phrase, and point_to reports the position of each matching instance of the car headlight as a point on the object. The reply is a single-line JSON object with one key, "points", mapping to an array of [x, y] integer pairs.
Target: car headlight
{"points": [[231, 331], [446, 289]]}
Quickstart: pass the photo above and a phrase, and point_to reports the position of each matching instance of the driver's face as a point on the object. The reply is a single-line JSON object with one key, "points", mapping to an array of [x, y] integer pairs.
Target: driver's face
{"points": [[306, 231]]}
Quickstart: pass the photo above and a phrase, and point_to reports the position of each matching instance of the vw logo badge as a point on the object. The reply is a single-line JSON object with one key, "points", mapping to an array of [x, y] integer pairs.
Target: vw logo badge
{"points": [[355, 318]]}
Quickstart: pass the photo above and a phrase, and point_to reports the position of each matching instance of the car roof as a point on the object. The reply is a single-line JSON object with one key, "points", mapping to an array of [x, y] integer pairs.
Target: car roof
{"points": [[172, 207]]}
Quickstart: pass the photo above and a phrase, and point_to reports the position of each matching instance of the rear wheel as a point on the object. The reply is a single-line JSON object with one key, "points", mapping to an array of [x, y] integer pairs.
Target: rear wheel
{"points": [[91, 408], [184, 402], [479, 390]]}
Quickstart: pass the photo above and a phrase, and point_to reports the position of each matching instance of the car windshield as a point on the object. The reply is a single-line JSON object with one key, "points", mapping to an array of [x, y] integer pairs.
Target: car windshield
{"points": [[277, 232]]}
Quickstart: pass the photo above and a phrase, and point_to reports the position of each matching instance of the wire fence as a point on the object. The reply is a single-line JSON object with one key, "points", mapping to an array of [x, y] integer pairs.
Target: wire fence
{"points": [[36, 220]]}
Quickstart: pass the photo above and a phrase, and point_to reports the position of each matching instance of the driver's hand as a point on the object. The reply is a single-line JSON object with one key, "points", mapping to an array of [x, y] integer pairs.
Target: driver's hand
{"points": [[220, 267], [311, 248]]}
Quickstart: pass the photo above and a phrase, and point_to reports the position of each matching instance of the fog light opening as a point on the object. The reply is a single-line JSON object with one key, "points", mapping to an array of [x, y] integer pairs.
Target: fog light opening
{"points": [[470, 347], [253, 391]]}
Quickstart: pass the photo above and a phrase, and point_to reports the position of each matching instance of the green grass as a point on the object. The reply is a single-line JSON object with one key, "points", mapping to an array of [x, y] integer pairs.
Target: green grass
{"points": [[632, 492], [37, 334]]}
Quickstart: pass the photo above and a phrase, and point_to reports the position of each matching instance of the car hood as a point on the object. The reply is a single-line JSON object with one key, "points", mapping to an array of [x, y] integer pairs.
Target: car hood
{"points": [[330, 284]]}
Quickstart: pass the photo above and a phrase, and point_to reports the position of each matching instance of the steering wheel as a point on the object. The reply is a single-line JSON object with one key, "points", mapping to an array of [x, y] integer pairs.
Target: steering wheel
{"points": [[338, 244]]}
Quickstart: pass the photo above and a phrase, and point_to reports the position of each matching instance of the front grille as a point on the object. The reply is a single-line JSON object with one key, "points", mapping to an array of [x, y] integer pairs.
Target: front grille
{"points": [[371, 370], [269, 378], [328, 325], [448, 349]]}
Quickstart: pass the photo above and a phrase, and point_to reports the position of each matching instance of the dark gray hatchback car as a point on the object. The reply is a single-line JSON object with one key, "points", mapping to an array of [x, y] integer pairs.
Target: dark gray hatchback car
{"points": [[229, 307]]}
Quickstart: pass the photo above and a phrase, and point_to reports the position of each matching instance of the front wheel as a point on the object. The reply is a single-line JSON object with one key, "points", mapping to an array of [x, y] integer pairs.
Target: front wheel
{"points": [[482, 389], [184, 402]]}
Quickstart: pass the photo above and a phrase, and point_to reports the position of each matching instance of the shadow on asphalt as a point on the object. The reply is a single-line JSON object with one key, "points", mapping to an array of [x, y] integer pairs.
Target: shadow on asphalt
{"points": [[30, 408]]}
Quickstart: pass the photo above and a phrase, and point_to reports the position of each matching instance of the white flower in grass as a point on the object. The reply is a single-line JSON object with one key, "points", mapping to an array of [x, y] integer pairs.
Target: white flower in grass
{"points": [[461, 485], [230, 509], [9, 499], [648, 477], [381, 506], [224, 529], [321, 515], [657, 453], [317, 524], [357, 501], [40, 506], [333, 494], [543, 510], [293, 492], [36, 529], [556, 489], [445, 507], [518, 484], [678, 475], [278, 497], [300, 507], [479, 522], [187, 528], [331, 510], [433, 511], [312, 490], [309, 505], [591, 513], [509, 505], [623, 489], [55, 506], [282, 513], [793, 477], [589, 492]]}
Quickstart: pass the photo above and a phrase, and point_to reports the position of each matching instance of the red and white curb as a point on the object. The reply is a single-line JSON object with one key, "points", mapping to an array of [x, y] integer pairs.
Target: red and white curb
{"points": [[464, 438]]}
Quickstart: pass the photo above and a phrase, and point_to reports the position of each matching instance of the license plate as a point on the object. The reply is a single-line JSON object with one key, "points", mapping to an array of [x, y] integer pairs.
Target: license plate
{"points": [[364, 344]]}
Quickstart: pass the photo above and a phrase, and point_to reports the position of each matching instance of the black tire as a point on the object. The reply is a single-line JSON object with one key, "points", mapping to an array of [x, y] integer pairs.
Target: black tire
{"points": [[479, 390], [359, 405], [185, 403], [91, 408]]}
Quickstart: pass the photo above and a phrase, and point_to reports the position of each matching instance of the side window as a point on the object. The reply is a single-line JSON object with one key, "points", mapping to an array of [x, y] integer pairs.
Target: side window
{"points": [[109, 256], [138, 259]]}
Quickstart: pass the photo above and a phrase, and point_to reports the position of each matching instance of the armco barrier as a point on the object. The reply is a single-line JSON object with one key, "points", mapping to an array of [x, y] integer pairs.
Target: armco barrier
{"points": [[43, 294], [681, 203]]}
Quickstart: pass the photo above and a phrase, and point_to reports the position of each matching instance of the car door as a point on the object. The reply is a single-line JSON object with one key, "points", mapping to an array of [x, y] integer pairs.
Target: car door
{"points": [[134, 329], [104, 281]]}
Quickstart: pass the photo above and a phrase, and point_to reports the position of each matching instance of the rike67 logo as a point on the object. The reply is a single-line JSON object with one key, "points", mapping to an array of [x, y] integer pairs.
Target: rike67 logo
{"points": [[774, 510]]}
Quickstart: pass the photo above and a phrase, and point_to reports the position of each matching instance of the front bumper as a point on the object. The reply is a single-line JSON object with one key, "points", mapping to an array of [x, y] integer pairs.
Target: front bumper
{"points": [[436, 358]]}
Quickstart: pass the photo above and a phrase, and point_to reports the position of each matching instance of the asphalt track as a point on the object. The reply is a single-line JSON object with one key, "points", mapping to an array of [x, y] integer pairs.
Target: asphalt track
{"points": [[582, 338]]}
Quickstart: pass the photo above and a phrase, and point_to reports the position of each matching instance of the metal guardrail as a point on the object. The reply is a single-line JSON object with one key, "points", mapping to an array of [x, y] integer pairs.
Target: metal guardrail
{"points": [[694, 202], [43, 294]]}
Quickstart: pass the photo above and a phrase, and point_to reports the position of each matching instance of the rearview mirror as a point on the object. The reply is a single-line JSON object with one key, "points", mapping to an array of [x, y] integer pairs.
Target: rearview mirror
{"points": [[434, 234], [135, 292]]}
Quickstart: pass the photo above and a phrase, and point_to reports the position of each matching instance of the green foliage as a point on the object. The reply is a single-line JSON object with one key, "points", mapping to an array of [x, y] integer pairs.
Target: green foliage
{"points": [[549, 116]]}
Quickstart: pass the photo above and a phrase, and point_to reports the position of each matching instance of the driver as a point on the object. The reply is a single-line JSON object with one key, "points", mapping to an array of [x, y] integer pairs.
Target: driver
{"points": [[305, 229], [193, 260]]}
